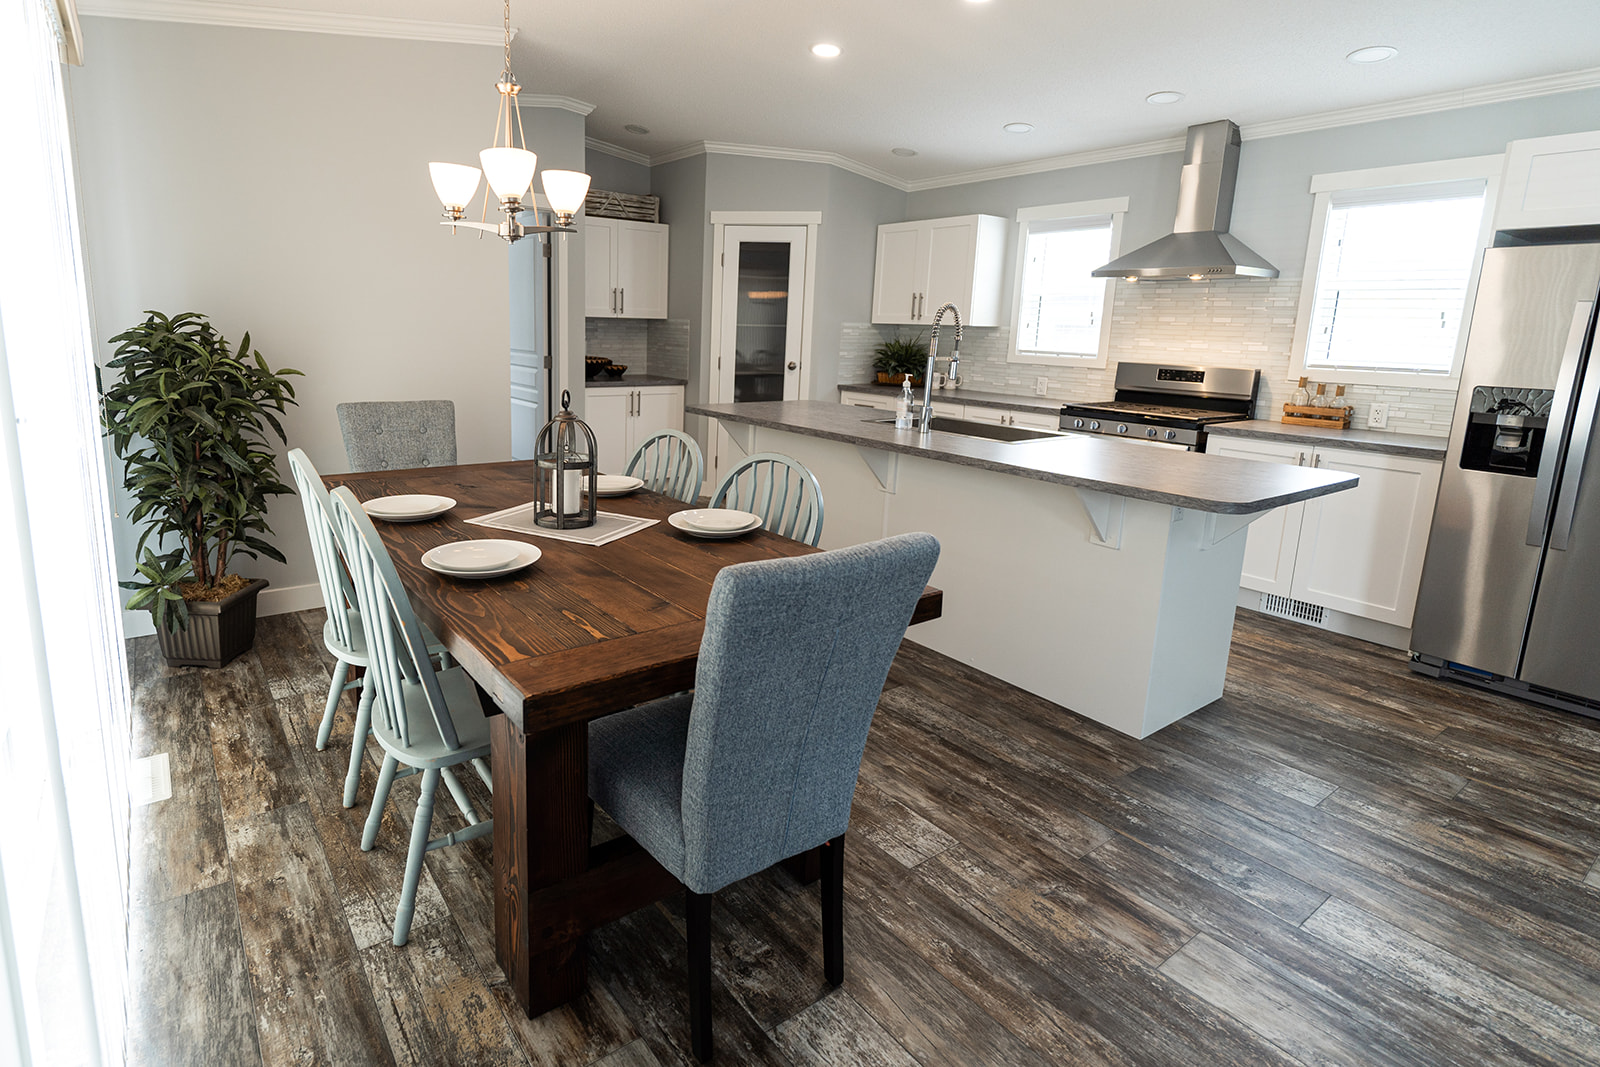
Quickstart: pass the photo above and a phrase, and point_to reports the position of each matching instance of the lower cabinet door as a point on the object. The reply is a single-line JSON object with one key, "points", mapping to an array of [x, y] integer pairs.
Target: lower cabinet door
{"points": [[606, 412], [976, 413], [1036, 420], [1273, 540], [1361, 550], [655, 410]]}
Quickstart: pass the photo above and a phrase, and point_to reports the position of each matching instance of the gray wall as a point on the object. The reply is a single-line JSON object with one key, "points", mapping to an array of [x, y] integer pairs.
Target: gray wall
{"points": [[247, 174], [681, 185], [615, 175]]}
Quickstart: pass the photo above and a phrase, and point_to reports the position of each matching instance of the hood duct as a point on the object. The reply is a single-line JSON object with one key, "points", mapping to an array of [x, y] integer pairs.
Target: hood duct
{"points": [[1200, 245]]}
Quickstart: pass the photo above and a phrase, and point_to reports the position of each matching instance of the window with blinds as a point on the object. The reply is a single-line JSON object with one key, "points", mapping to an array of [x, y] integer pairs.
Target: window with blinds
{"points": [[1392, 278], [1059, 310]]}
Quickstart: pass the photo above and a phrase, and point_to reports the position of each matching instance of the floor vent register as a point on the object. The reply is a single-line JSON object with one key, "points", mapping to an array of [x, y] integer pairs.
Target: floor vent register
{"points": [[1289, 608]]}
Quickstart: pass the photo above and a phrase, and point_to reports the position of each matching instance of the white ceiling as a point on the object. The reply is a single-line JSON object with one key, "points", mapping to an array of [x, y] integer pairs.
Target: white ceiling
{"points": [[942, 76]]}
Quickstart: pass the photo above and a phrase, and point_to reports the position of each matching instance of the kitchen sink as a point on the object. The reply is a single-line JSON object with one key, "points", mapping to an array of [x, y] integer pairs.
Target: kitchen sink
{"points": [[987, 430]]}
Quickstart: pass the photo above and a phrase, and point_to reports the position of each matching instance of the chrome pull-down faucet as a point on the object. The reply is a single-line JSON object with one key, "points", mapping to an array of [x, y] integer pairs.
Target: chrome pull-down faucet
{"points": [[925, 420]]}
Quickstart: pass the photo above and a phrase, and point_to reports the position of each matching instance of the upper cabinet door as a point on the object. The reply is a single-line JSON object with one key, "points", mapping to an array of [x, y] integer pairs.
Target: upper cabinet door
{"points": [[599, 267], [902, 264], [1550, 181], [952, 246], [641, 270]]}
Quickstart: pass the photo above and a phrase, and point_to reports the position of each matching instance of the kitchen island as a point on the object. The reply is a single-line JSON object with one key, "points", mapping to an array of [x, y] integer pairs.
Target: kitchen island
{"points": [[1099, 574]]}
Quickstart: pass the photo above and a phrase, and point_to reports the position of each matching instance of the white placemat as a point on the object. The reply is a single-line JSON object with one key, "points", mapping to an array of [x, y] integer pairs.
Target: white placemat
{"points": [[608, 526]]}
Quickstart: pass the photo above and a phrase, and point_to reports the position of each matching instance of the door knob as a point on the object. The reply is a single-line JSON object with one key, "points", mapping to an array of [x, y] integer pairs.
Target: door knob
{"points": [[793, 364]]}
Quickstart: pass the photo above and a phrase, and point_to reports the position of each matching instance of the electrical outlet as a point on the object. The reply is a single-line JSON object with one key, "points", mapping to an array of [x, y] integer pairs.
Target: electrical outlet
{"points": [[1378, 416], [1041, 386]]}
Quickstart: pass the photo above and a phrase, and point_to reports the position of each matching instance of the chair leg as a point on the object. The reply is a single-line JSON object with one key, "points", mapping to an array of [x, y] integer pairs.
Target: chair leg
{"points": [[380, 797], [335, 691], [833, 910], [699, 921], [419, 847], [358, 743]]}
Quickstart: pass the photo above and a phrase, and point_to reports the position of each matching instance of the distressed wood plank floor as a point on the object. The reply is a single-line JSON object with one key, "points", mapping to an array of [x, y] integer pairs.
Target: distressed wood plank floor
{"points": [[1338, 862]]}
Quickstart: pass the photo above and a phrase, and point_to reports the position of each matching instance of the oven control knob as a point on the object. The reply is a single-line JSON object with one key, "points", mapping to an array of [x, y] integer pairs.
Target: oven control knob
{"points": [[1172, 435], [1094, 424], [1151, 432], [1122, 427], [1077, 424]]}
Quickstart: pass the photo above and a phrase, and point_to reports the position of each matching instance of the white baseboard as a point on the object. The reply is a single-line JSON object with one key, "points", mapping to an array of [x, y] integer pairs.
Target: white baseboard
{"points": [[273, 600], [1340, 622]]}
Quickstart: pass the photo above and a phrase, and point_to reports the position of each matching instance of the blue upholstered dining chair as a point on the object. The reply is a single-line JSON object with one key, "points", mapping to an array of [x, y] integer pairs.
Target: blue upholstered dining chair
{"points": [[429, 721], [759, 762], [390, 435], [669, 462], [343, 633], [779, 489]]}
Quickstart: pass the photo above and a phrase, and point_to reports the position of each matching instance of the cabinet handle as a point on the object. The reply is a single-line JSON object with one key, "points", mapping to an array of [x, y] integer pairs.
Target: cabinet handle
{"points": [[613, 300], [922, 301], [1316, 461], [913, 306], [623, 306], [1299, 459]]}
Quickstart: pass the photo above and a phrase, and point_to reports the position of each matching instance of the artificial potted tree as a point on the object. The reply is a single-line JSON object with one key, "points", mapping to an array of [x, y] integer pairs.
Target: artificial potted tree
{"points": [[190, 421], [901, 358]]}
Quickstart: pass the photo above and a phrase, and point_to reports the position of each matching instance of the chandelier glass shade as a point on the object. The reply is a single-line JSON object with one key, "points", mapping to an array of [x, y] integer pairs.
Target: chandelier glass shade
{"points": [[509, 168]]}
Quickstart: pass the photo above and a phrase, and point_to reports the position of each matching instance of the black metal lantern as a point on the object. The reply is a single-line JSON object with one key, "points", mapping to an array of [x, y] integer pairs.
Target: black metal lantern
{"points": [[564, 493]]}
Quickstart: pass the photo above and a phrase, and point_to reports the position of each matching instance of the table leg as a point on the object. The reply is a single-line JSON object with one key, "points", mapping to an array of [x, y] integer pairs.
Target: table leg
{"points": [[541, 837]]}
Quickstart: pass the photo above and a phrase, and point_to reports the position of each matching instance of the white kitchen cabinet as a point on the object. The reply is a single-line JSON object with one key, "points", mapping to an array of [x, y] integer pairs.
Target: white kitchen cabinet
{"points": [[1359, 551], [624, 269], [877, 401], [623, 419], [1550, 181], [925, 264], [1033, 420]]}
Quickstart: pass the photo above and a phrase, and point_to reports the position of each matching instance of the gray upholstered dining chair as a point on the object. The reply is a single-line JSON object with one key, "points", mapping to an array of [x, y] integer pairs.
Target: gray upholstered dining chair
{"points": [[429, 720], [342, 634], [670, 462], [759, 762], [780, 489], [389, 435]]}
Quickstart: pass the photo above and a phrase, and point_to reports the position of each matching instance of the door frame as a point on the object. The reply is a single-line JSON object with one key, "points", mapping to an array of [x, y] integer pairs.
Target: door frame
{"points": [[720, 221]]}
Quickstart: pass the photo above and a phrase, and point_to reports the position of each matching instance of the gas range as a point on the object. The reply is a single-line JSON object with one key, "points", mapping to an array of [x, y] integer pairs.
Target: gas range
{"points": [[1167, 404]]}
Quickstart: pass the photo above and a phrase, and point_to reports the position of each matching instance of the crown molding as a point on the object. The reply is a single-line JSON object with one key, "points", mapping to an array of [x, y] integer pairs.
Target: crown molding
{"points": [[609, 149], [1500, 92], [251, 16], [565, 103], [793, 155], [1039, 166]]}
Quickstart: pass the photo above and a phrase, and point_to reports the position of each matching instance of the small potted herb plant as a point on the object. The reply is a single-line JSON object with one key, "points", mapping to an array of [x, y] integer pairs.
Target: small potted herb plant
{"points": [[900, 358], [191, 421]]}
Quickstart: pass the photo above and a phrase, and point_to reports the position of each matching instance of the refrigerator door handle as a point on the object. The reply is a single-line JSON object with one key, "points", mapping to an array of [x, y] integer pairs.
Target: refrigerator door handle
{"points": [[1577, 452], [1539, 517]]}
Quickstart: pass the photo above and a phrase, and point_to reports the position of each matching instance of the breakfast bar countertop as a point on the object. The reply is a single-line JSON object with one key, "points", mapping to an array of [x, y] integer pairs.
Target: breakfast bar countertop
{"points": [[1195, 480]]}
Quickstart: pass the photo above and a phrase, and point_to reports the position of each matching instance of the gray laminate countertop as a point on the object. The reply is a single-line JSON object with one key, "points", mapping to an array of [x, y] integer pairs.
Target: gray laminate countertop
{"points": [[1122, 468], [1415, 445], [1008, 401], [638, 380]]}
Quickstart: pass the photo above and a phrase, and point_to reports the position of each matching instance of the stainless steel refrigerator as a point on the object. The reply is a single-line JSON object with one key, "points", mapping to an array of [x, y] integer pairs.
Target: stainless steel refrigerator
{"points": [[1510, 595]]}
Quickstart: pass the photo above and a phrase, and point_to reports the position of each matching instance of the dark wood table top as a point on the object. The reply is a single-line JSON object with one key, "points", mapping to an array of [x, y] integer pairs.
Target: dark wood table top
{"points": [[587, 629]]}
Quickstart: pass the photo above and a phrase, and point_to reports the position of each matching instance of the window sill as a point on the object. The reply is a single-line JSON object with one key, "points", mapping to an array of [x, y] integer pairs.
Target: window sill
{"points": [[1393, 379]]}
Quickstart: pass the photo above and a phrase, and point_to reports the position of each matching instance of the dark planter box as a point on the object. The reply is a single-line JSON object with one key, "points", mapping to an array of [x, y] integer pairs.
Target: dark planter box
{"points": [[219, 632]]}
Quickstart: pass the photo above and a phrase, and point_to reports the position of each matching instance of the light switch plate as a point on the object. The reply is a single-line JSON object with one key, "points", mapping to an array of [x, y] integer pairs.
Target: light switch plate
{"points": [[1041, 386], [1378, 416]]}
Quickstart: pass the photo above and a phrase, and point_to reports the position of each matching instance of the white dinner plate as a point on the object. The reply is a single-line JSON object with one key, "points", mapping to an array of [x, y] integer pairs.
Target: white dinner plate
{"points": [[680, 523], [616, 484], [479, 554], [718, 520], [523, 554], [408, 507]]}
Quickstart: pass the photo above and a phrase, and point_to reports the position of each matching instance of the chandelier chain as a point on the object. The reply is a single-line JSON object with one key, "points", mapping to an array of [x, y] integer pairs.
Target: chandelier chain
{"points": [[508, 36]]}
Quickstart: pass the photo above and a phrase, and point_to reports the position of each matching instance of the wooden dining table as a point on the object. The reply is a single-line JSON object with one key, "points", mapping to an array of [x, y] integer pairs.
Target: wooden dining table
{"points": [[583, 632]]}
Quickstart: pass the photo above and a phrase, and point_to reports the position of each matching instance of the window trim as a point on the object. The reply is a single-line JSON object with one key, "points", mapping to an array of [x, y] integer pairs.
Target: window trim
{"points": [[1369, 184], [1114, 207]]}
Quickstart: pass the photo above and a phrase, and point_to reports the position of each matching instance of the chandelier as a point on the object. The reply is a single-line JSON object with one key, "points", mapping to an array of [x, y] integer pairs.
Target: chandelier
{"points": [[509, 167]]}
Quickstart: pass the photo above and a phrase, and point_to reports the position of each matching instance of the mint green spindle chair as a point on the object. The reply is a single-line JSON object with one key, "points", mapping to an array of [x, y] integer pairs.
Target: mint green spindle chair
{"points": [[342, 634], [780, 490], [431, 722], [670, 462]]}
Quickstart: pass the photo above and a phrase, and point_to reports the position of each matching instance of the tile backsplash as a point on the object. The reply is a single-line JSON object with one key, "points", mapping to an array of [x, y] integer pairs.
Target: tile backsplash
{"points": [[644, 346], [1232, 322]]}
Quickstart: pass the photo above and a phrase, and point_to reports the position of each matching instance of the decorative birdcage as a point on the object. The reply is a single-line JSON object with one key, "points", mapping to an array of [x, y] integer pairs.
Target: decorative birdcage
{"points": [[564, 492]]}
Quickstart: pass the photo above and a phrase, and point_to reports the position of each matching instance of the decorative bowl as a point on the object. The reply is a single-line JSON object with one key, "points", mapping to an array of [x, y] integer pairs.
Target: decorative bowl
{"points": [[593, 365], [616, 370]]}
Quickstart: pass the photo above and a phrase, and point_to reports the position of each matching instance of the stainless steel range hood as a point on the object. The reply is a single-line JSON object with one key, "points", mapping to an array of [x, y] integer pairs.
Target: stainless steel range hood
{"points": [[1200, 245]]}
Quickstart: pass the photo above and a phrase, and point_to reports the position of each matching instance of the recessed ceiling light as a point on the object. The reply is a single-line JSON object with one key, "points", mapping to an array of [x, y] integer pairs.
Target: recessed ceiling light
{"points": [[634, 127], [977, 1], [1018, 127], [1166, 96], [1373, 54], [905, 153], [826, 51]]}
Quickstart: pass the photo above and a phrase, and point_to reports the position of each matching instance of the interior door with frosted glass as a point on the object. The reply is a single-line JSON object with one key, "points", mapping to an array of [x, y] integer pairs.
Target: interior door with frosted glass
{"points": [[763, 304]]}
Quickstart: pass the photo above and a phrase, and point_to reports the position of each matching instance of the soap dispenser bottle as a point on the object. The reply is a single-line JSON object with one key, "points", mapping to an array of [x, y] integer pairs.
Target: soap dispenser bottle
{"points": [[902, 413]]}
